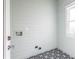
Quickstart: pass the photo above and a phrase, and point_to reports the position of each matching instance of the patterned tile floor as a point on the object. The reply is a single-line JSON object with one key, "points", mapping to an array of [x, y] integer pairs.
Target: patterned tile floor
{"points": [[52, 54]]}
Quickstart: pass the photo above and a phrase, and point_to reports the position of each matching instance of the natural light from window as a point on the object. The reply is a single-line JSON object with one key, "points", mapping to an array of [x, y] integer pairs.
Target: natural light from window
{"points": [[70, 20]]}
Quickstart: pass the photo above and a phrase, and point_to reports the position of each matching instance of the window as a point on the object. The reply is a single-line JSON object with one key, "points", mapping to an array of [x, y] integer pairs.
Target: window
{"points": [[70, 20]]}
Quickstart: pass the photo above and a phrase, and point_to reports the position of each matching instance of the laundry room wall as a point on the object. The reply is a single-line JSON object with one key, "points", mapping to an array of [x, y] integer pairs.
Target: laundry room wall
{"points": [[36, 21]]}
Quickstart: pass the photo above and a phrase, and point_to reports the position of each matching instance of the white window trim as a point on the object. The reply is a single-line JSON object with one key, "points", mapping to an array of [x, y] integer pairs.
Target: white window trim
{"points": [[69, 6]]}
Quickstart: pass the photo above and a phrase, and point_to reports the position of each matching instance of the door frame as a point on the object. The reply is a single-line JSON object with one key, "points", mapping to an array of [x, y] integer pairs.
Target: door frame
{"points": [[6, 28]]}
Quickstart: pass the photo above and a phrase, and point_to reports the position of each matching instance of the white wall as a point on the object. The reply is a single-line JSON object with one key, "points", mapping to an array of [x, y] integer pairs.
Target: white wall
{"points": [[65, 43], [37, 20]]}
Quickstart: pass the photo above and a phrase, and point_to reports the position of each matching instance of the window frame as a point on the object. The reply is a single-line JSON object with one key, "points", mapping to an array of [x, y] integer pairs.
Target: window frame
{"points": [[67, 19]]}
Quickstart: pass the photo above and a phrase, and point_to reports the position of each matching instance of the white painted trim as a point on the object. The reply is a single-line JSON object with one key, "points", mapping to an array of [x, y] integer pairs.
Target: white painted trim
{"points": [[6, 28], [69, 5], [67, 8]]}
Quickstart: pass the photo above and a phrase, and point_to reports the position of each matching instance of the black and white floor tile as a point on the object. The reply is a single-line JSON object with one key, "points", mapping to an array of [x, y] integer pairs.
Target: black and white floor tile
{"points": [[52, 54]]}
